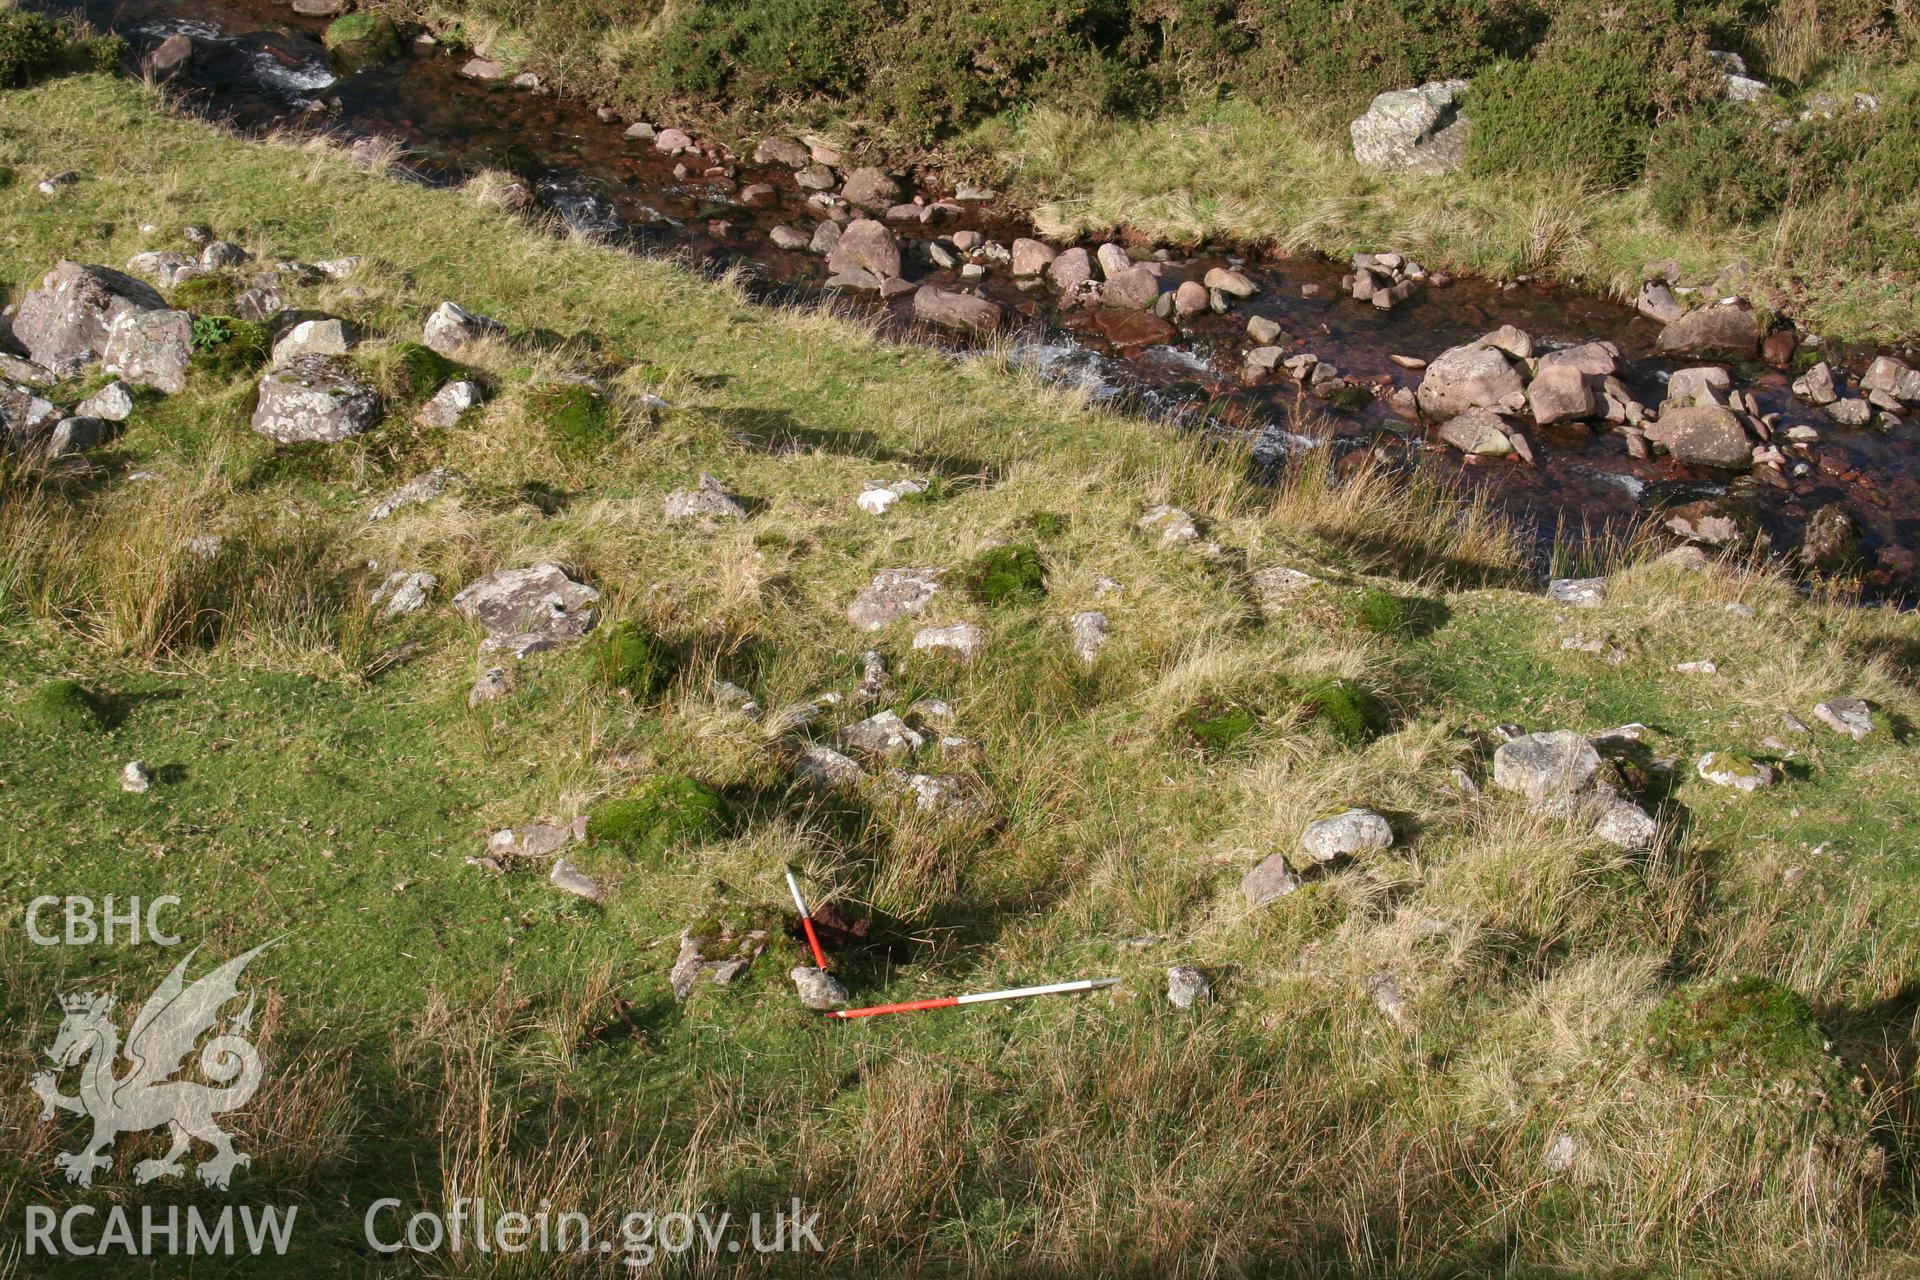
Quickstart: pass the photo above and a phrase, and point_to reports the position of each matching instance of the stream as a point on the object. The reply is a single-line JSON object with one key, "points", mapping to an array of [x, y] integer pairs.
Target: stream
{"points": [[259, 66]]}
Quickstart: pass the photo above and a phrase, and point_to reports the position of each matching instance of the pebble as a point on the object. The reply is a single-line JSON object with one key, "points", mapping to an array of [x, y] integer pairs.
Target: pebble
{"points": [[135, 778]]}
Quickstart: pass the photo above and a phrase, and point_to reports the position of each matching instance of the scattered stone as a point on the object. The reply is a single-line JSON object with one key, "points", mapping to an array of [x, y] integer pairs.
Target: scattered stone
{"points": [[1851, 716], [1561, 1154], [1892, 377], [1703, 436], [868, 246], [1389, 997], [150, 348], [878, 499], [418, 491], [339, 268], [72, 436], [58, 182], [166, 267], [885, 735], [1726, 769], [1562, 393], [893, 594], [871, 188], [135, 779], [1546, 766], [1475, 376], [404, 592], [113, 402], [711, 500], [1355, 831], [942, 794], [961, 311], [1275, 588], [450, 404], [526, 610], [722, 958], [572, 879], [1071, 270], [323, 337], [824, 767], [1625, 825], [1235, 284], [962, 639], [1417, 130], [1187, 986], [1272, 879], [1729, 328], [314, 399], [452, 327], [1850, 411], [1582, 593], [1031, 257], [532, 841], [1478, 433], [1702, 667], [790, 152], [1816, 385], [818, 990], [1172, 524], [672, 140], [495, 682], [1089, 631]]}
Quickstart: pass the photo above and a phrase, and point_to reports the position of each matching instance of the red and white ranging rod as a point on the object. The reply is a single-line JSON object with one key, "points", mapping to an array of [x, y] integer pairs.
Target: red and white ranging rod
{"points": [[979, 997], [806, 920]]}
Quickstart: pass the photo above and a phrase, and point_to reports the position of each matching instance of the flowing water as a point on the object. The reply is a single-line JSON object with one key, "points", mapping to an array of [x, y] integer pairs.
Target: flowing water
{"points": [[261, 67]]}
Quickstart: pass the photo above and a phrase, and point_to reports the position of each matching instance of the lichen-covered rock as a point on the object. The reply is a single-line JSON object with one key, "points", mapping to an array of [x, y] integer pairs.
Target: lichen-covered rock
{"points": [[1355, 831], [710, 500], [315, 399], [150, 349], [538, 600], [450, 403], [1089, 632], [1187, 986], [63, 322], [1851, 716], [1273, 878], [1729, 769], [1546, 766], [962, 639], [892, 595], [1418, 130], [818, 990], [452, 327]]}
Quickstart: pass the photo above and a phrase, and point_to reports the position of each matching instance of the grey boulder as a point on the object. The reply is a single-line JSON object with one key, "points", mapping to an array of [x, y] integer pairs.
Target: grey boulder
{"points": [[1417, 130], [315, 399], [540, 600], [63, 322]]}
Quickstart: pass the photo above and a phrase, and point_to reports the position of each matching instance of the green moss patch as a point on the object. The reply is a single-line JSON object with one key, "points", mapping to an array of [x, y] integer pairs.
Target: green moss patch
{"points": [[1349, 711], [1747, 1026], [1381, 612], [666, 811], [228, 347], [63, 705], [580, 419], [1218, 726], [1005, 576], [629, 658]]}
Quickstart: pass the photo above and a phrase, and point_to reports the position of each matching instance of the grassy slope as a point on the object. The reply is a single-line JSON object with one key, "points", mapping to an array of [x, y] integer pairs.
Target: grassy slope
{"points": [[439, 1031]]}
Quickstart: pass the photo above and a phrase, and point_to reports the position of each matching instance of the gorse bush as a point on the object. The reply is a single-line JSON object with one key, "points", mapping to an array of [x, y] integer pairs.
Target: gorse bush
{"points": [[33, 47]]}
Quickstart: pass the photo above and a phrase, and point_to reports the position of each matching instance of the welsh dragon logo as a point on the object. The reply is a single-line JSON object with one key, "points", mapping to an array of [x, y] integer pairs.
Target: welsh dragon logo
{"points": [[146, 1096]]}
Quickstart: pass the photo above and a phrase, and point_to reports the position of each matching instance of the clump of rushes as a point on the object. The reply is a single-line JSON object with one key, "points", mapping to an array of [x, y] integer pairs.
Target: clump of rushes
{"points": [[1006, 575], [631, 659], [1217, 726], [666, 811], [62, 704]]}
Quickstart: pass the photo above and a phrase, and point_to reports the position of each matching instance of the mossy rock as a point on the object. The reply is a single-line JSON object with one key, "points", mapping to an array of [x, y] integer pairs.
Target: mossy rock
{"points": [[1217, 726], [362, 41], [1748, 1026], [580, 419], [631, 659], [1381, 612], [63, 705], [666, 811], [1348, 710], [1006, 575], [229, 347]]}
